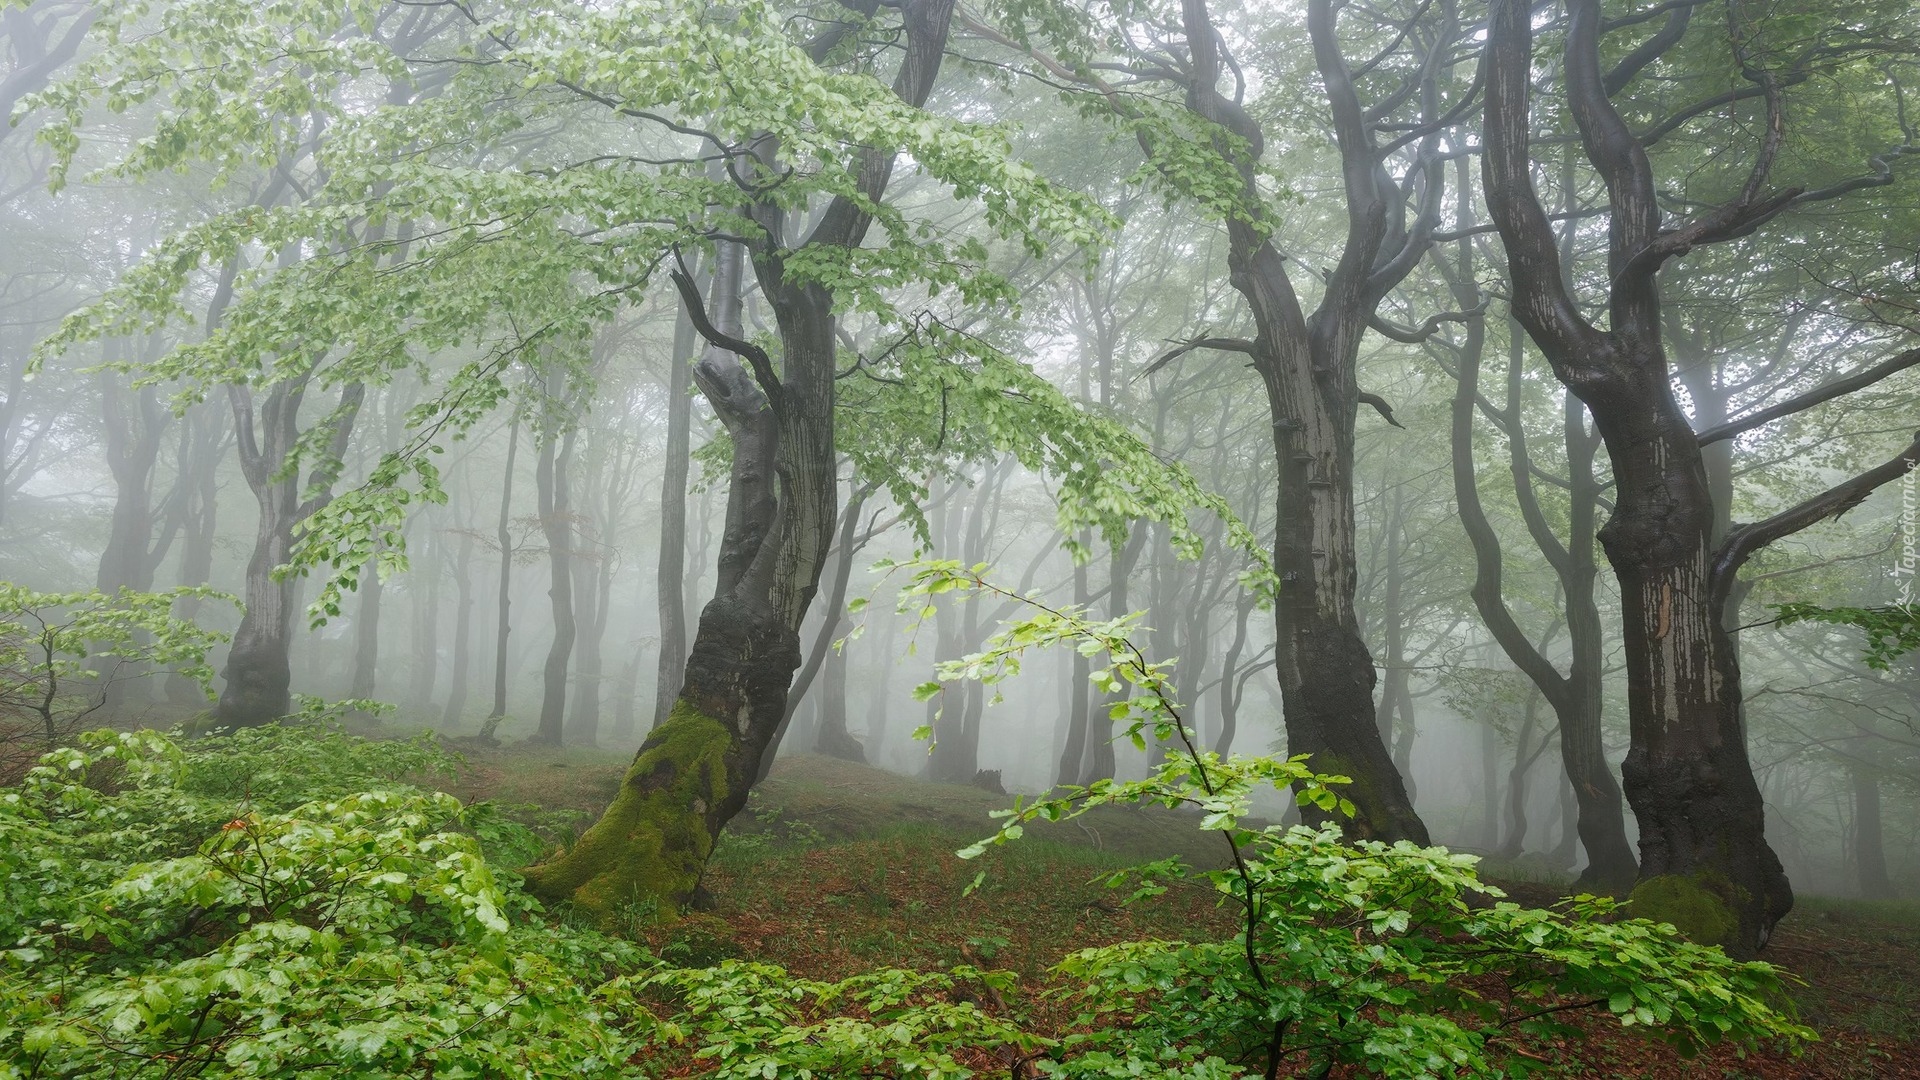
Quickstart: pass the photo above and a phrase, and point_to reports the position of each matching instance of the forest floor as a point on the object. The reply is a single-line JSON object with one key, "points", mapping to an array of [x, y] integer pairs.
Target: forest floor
{"points": [[835, 869]]}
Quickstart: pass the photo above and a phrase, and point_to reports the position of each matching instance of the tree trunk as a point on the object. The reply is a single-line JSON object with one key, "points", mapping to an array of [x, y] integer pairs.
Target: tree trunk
{"points": [[1869, 844], [199, 527], [670, 579], [834, 739], [626, 709], [366, 638], [503, 624], [556, 521], [1307, 364], [1575, 696], [258, 671], [1231, 683], [820, 657], [1073, 757], [462, 633]]}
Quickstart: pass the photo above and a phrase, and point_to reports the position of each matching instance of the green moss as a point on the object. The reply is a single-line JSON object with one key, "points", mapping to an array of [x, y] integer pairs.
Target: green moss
{"points": [[653, 841], [1698, 905]]}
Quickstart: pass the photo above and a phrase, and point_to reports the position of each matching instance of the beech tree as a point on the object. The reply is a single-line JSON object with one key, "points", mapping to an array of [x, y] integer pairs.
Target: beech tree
{"points": [[1687, 775], [437, 225]]}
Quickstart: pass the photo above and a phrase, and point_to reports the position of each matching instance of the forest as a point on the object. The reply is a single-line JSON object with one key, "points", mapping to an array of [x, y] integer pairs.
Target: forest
{"points": [[818, 539]]}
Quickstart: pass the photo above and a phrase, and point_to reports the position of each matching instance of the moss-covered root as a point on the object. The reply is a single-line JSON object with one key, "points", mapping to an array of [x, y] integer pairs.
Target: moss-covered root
{"points": [[1701, 906], [653, 842]]}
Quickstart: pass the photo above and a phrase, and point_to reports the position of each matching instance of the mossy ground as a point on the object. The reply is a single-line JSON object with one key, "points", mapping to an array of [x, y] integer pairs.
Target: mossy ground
{"points": [[836, 868]]}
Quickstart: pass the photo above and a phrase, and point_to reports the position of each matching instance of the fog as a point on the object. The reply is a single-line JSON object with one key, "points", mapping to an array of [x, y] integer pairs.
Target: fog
{"points": [[548, 583]]}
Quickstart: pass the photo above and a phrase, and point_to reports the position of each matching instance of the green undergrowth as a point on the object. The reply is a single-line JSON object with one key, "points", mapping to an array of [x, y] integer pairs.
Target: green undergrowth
{"points": [[299, 901]]}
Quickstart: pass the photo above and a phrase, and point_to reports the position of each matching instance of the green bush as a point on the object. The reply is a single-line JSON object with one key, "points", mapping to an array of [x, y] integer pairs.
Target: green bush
{"points": [[1396, 958], [349, 934]]}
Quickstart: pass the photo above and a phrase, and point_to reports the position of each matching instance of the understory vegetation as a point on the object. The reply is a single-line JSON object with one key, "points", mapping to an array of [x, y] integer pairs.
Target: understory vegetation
{"points": [[297, 900]]}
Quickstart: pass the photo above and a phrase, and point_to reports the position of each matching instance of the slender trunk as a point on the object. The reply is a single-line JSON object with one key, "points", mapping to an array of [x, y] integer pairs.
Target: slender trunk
{"points": [[1073, 757], [425, 624], [503, 625], [593, 590], [1231, 683], [834, 738], [1489, 787], [670, 578], [1575, 696], [198, 529], [1869, 844], [366, 640], [878, 703], [626, 709], [1566, 850], [462, 633], [556, 521], [956, 747], [1524, 757], [820, 657]]}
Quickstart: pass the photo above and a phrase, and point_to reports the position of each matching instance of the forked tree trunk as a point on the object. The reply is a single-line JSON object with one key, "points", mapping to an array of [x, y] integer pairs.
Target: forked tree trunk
{"points": [[259, 671], [694, 771], [1704, 858], [1307, 363]]}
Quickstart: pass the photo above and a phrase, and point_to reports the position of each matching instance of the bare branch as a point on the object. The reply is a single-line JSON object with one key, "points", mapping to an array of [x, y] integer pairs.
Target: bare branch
{"points": [[1818, 395]]}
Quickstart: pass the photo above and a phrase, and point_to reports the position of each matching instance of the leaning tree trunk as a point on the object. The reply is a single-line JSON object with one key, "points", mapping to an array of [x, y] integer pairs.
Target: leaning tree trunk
{"points": [[694, 771]]}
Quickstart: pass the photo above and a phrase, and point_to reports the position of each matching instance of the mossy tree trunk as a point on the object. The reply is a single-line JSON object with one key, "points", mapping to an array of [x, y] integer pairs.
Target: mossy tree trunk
{"points": [[694, 771]]}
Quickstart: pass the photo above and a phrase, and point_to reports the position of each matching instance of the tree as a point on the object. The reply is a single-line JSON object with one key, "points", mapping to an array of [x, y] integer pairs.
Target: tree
{"points": [[517, 261], [1687, 772], [1204, 144], [47, 685]]}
